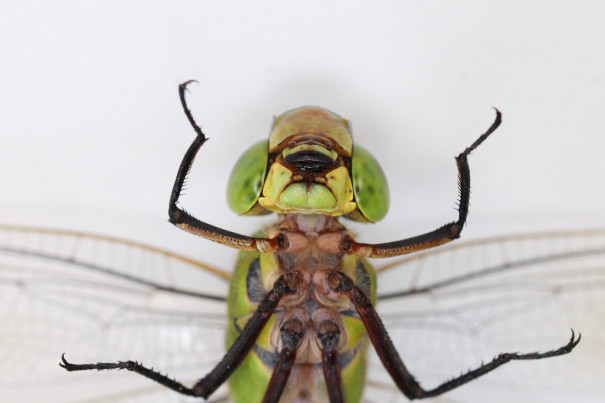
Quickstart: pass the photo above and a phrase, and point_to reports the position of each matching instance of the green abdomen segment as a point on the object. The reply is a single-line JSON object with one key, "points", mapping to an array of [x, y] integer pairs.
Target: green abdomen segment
{"points": [[249, 382]]}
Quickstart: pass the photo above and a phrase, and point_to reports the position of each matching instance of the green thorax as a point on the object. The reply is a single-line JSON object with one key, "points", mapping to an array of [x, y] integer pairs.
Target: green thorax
{"points": [[253, 276]]}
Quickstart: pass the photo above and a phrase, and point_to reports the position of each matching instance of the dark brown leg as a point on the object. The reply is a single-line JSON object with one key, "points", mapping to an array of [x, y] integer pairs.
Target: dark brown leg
{"points": [[291, 334], [391, 360], [439, 236], [285, 285], [189, 223], [329, 336], [130, 366]]}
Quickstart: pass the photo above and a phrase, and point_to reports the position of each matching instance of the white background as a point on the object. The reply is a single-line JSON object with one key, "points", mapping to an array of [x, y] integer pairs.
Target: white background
{"points": [[92, 132]]}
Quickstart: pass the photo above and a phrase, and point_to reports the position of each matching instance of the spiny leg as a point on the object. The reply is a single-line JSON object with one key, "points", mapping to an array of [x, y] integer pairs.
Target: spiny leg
{"points": [[285, 285], [189, 223], [387, 353], [328, 334], [291, 334], [499, 360], [439, 236], [133, 366]]}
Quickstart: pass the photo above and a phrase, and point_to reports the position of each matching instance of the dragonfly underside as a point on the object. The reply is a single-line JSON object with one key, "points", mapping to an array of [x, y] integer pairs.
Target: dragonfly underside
{"points": [[301, 304], [454, 307]]}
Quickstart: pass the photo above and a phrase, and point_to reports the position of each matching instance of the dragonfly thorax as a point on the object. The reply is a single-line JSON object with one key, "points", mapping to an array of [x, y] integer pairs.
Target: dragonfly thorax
{"points": [[312, 250]]}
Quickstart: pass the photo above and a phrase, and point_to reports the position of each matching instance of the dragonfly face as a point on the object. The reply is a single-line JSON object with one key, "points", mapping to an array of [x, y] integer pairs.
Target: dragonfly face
{"points": [[309, 166], [301, 300]]}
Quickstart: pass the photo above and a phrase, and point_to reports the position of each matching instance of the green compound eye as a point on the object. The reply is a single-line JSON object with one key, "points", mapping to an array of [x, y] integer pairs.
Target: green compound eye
{"points": [[370, 185], [247, 178]]}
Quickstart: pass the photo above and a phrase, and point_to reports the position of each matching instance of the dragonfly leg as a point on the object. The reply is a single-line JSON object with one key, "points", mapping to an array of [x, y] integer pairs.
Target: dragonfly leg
{"points": [[285, 285], [189, 223], [439, 236], [499, 360], [134, 367], [391, 360], [291, 334], [328, 334]]}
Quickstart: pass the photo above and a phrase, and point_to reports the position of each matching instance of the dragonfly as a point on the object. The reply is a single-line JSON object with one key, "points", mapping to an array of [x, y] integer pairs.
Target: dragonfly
{"points": [[287, 329]]}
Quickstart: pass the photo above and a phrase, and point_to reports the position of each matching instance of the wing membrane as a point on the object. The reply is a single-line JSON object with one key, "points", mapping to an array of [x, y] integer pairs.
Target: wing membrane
{"points": [[102, 299], [451, 308], [98, 298]]}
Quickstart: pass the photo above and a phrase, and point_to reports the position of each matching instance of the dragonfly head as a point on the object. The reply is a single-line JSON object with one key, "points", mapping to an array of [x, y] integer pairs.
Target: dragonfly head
{"points": [[309, 166]]}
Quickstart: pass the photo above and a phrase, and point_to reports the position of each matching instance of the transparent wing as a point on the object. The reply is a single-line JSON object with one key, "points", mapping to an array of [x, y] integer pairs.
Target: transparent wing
{"points": [[98, 298], [102, 299], [449, 309]]}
